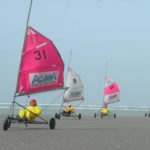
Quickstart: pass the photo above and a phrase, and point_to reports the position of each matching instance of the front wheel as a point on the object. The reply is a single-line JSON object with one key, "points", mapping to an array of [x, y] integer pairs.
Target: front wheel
{"points": [[52, 123], [95, 115], [79, 116], [145, 114]]}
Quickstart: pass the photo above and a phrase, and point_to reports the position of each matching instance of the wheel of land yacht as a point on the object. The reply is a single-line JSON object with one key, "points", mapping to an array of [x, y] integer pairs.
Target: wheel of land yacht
{"points": [[52, 123], [114, 115], [56, 116], [9, 123], [95, 115], [145, 114], [101, 115], [6, 124], [79, 116], [148, 114]]}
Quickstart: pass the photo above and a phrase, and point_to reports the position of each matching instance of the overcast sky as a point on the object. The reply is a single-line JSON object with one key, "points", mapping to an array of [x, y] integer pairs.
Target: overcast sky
{"points": [[96, 31]]}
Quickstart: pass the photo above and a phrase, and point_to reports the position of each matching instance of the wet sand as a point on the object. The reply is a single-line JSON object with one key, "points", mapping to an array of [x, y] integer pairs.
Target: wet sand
{"points": [[89, 133]]}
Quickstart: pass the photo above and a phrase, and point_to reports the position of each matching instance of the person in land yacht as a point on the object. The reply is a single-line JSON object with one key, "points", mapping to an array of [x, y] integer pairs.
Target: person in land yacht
{"points": [[104, 110], [68, 109], [31, 111]]}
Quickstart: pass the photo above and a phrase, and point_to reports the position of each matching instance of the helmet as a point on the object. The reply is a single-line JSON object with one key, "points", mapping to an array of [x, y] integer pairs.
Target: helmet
{"points": [[69, 105], [32, 100], [105, 104]]}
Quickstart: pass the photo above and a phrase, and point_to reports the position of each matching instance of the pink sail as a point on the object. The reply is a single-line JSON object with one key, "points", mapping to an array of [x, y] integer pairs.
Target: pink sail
{"points": [[112, 88], [111, 91], [41, 67]]}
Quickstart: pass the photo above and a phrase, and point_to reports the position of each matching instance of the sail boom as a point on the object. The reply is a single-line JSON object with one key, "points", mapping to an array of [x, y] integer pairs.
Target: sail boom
{"points": [[30, 93], [74, 99], [110, 102]]}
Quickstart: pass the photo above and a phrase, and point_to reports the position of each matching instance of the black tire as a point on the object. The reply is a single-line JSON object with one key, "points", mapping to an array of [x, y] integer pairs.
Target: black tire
{"points": [[148, 114], [9, 123], [6, 124], [114, 115], [95, 115], [101, 115], [56, 116], [52, 123], [145, 114], [79, 116]]}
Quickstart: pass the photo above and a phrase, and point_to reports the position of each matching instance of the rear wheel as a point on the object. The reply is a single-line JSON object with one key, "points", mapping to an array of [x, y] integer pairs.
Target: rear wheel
{"points": [[101, 115], [52, 123], [95, 115], [145, 114], [79, 116], [148, 114], [56, 116], [6, 124]]}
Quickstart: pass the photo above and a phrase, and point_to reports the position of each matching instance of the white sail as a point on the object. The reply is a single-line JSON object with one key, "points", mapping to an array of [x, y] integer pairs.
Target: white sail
{"points": [[74, 87]]}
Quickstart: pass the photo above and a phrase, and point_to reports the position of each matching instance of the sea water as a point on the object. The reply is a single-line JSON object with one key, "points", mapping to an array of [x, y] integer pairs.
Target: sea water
{"points": [[85, 110]]}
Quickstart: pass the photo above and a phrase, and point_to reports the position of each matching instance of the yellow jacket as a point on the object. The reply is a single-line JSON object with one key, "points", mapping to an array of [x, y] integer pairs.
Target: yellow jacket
{"points": [[104, 110], [69, 109], [35, 109]]}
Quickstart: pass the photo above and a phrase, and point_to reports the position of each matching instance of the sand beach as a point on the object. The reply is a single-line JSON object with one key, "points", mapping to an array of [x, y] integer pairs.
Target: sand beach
{"points": [[89, 133]]}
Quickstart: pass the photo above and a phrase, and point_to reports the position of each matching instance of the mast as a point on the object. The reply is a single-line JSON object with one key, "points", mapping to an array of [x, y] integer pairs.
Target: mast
{"points": [[26, 31], [70, 59], [68, 66], [27, 22], [104, 80], [65, 80]]}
